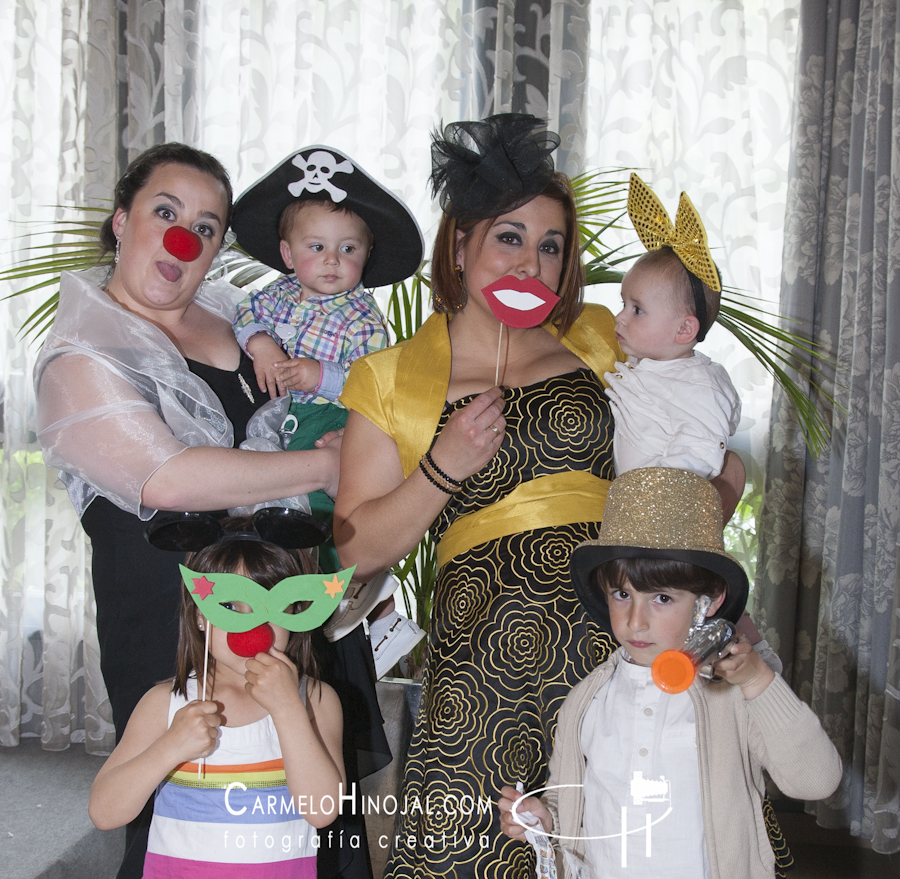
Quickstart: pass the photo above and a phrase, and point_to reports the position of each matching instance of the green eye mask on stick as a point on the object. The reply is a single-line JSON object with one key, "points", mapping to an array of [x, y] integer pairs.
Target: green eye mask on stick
{"points": [[211, 591]]}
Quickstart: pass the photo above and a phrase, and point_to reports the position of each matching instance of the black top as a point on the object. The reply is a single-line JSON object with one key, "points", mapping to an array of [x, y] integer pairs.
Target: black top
{"points": [[562, 423], [226, 385]]}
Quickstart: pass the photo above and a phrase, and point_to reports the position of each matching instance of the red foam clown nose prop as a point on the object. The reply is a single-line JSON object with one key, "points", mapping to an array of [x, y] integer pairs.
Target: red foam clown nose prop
{"points": [[248, 644], [182, 243]]}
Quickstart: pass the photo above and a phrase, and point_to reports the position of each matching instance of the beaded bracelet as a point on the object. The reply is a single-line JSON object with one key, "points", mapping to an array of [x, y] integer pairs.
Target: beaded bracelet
{"points": [[439, 472], [436, 480]]}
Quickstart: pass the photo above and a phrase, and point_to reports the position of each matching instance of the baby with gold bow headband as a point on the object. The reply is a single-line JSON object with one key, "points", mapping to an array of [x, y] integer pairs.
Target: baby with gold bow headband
{"points": [[674, 407]]}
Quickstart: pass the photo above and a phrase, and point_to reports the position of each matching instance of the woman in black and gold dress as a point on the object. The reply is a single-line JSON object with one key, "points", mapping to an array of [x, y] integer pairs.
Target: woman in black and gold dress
{"points": [[498, 438]]}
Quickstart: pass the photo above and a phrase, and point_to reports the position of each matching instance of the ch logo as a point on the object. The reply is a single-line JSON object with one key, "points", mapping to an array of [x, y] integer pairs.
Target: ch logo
{"points": [[318, 170], [643, 790], [649, 790]]}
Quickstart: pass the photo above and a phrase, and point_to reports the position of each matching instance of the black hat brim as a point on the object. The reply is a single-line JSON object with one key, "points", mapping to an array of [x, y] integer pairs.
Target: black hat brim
{"points": [[587, 557], [398, 244]]}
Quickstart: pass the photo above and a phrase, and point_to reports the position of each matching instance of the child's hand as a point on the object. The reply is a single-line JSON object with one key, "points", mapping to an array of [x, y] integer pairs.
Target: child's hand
{"points": [[273, 681], [744, 668], [194, 731], [299, 374], [508, 824], [266, 352]]}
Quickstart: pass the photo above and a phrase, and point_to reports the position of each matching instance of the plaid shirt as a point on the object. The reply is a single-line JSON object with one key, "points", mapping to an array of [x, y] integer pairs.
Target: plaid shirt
{"points": [[334, 330]]}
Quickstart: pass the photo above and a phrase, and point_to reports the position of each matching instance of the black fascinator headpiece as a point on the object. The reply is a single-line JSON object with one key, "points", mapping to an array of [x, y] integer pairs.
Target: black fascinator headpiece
{"points": [[488, 168]]}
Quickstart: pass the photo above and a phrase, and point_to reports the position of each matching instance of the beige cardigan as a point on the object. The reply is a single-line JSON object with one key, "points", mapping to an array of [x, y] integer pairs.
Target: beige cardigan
{"points": [[736, 740]]}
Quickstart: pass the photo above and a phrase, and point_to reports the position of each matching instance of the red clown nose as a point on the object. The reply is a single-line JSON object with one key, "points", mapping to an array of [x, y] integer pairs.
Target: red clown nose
{"points": [[182, 243], [248, 644]]}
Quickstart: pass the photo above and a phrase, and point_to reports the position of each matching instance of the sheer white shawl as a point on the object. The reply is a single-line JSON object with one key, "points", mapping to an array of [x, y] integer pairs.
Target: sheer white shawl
{"points": [[115, 398]]}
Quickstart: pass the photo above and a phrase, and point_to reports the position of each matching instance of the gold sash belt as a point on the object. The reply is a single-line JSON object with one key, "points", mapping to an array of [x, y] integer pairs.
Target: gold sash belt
{"points": [[558, 499]]}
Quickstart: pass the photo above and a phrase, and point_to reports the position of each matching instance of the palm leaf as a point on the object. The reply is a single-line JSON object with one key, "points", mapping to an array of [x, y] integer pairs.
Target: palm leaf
{"points": [[779, 350], [409, 305], [77, 250], [600, 199]]}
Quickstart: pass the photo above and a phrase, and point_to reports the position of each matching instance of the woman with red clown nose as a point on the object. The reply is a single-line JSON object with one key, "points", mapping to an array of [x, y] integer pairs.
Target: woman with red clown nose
{"points": [[489, 429], [143, 396]]}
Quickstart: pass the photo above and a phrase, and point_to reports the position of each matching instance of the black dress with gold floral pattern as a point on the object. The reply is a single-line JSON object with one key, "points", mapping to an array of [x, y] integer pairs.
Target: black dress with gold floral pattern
{"points": [[509, 640]]}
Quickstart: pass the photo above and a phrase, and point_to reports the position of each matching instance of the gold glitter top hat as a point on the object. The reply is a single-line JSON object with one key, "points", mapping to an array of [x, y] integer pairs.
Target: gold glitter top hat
{"points": [[662, 513]]}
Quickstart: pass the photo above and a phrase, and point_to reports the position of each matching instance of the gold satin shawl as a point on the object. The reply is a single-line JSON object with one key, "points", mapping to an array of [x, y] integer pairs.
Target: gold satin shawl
{"points": [[404, 395]]}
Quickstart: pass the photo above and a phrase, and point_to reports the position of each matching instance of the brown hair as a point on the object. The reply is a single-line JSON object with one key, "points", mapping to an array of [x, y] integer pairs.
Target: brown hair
{"points": [[447, 293], [666, 262], [141, 168], [264, 563], [652, 575], [295, 208]]}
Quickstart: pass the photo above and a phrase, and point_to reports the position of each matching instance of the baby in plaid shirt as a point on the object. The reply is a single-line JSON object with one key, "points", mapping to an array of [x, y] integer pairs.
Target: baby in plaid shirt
{"points": [[313, 217], [334, 232], [320, 315]]}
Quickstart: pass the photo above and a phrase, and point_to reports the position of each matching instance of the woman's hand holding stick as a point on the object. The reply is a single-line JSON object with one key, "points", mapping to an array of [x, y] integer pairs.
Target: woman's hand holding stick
{"points": [[471, 436]]}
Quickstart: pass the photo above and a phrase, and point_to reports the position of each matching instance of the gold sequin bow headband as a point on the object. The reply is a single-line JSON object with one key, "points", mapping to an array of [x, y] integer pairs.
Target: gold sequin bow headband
{"points": [[687, 238]]}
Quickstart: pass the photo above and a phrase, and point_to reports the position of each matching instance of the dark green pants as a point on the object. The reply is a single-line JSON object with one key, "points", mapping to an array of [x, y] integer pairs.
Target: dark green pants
{"points": [[313, 420]]}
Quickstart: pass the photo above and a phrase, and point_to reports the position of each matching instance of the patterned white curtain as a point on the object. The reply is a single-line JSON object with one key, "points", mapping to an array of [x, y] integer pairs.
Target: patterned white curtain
{"points": [[829, 573], [49, 674], [696, 94], [697, 97]]}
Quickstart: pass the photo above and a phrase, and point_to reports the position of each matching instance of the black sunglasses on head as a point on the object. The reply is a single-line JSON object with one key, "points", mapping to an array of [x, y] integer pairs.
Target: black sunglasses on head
{"points": [[191, 532]]}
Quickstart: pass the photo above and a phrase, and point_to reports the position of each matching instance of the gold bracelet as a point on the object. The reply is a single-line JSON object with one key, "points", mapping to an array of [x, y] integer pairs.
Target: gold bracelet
{"points": [[435, 469]]}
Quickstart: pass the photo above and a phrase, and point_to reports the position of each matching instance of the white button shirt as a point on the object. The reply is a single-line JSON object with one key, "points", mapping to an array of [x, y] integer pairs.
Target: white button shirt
{"points": [[642, 767], [672, 413]]}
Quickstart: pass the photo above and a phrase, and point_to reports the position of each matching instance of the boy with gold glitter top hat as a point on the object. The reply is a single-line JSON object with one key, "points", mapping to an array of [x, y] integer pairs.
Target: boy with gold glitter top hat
{"points": [[674, 407], [627, 756]]}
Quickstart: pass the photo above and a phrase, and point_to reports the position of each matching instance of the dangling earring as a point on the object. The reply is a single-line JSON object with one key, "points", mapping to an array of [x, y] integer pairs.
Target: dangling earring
{"points": [[462, 287], [116, 258], [441, 306]]}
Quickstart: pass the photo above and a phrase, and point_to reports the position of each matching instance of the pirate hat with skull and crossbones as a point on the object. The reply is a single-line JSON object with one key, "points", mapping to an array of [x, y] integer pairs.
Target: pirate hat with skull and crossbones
{"points": [[315, 171]]}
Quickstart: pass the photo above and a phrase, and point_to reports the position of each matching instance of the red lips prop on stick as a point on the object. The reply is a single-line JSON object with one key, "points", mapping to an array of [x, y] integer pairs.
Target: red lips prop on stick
{"points": [[248, 644], [520, 302], [182, 243]]}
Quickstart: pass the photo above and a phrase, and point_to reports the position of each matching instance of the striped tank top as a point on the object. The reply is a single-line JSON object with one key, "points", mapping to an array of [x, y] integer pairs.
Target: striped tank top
{"points": [[238, 819]]}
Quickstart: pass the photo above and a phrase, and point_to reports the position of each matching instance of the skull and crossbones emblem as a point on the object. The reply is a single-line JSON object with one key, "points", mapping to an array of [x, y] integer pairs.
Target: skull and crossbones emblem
{"points": [[318, 170]]}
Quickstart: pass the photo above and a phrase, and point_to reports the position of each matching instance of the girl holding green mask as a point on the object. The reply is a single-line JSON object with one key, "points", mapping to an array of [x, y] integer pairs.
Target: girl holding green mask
{"points": [[268, 733]]}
